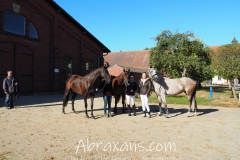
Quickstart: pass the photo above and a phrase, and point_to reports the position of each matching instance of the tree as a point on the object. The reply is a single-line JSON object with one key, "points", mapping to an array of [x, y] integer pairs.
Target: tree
{"points": [[226, 63], [180, 55]]}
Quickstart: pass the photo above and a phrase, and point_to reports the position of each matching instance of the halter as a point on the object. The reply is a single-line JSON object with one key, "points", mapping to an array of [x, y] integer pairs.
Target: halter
{"points": [[152, 76], [125, 80], [106, 81]]}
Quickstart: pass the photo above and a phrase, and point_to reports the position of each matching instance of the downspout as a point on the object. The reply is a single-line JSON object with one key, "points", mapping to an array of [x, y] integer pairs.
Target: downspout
{"points": [[100, 57]]}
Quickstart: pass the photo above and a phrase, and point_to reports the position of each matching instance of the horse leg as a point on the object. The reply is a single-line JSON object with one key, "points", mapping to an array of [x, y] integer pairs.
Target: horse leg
{"points": [[123, 103], [92, 99], [116, 101], [165, 104], [73, 99], [190, 104], [160, 105], [85, 102], [195, 105]]}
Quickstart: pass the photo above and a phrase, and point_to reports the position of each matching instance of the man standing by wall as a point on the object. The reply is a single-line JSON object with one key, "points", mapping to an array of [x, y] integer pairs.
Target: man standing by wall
{"points": [[9, 87]]}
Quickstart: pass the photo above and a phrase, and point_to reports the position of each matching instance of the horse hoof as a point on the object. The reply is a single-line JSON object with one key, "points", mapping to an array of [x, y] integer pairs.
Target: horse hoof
{"points": [[135, 114], [63, 112], [87, 116], [129, 115], [93, 117]]}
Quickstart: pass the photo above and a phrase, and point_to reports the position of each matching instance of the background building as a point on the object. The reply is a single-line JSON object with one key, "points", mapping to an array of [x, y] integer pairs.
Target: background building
{"points": [[43, 45], [136, 61]]}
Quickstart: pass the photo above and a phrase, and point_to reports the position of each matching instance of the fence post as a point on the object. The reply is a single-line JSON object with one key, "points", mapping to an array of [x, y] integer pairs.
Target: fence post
{"points": [[211, 93]]}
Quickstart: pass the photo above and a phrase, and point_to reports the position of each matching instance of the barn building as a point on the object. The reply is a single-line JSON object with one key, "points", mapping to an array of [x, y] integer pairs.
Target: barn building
{"points": [[43, 45], [136, 61]]}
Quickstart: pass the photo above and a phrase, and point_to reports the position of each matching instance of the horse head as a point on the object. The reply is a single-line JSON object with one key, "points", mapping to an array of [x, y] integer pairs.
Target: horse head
{"points": [[105, 75], [125, 75], [152, 73]]}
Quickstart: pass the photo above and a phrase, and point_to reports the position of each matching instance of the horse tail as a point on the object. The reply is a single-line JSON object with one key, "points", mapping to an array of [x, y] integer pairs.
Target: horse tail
{"points": [[66, 94], [193, 96]]}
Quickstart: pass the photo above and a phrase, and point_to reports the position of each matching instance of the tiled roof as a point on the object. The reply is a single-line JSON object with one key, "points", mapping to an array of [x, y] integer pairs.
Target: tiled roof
{"points": [[115, 70], [130, 59], [214, 48]]}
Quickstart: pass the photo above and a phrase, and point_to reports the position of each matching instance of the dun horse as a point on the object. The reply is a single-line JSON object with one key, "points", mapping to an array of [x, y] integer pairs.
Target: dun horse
{"points": [[165, 86], [119, 84], [85, 86]]}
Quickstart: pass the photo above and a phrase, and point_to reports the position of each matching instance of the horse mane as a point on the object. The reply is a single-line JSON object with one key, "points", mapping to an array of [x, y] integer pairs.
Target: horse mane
{"points": [[94, 72]]}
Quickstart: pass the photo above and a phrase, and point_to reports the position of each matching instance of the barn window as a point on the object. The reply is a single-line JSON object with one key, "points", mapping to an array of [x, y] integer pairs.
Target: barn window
{"points": [[67, 67], [89, 67], [14, 23], [32, 31]]}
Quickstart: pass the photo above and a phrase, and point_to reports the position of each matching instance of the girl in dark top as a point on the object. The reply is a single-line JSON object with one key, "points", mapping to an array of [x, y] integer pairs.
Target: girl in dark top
{"points": [[130, 94]]}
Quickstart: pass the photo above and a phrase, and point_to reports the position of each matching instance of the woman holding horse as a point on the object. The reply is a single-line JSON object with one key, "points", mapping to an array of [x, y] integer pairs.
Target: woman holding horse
{"points": [[107, 97], [130, 94], [145, 87]]}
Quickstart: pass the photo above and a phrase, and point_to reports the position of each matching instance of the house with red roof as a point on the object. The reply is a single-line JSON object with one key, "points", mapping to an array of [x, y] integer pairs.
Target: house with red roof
{"points": [[217, 79], [136, 61]]}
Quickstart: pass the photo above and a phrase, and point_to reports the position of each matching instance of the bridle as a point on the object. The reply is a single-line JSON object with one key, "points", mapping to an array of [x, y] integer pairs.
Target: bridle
{"points": [[152, 76]]}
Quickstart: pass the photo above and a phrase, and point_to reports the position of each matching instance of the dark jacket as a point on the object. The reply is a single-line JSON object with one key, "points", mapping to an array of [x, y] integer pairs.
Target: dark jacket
{"points": [[107, 90], [9, 85], [131, 86], [146, 87]]}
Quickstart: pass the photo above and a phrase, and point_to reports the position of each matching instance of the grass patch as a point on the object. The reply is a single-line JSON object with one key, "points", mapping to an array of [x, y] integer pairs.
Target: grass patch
{"points": [[221, 97]]}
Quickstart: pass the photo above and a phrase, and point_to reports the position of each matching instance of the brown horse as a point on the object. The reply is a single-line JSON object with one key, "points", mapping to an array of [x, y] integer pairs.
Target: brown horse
{"points": [[85, 86], [119, 84]]}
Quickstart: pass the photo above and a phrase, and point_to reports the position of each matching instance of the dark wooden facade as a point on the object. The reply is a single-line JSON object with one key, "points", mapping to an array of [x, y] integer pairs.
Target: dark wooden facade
{"points": [[52, 46]]}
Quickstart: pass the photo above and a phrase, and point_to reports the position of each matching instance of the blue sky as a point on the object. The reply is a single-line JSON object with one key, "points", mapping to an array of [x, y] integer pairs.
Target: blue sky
{"points": [[129, 25]]}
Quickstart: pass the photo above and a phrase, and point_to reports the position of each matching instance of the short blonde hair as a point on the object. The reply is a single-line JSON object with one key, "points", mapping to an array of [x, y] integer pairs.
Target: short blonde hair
{"points": [[9, 71]]}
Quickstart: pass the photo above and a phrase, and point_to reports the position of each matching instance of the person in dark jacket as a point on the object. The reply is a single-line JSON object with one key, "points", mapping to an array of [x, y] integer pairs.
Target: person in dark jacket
{"points": [[9, 88], [145, 87], [130, 94], [107, 96]]}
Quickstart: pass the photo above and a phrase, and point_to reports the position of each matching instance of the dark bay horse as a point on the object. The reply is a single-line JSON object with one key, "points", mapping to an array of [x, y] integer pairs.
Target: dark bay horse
{"points": [[85, 86], [119, 84], [164, 86]]}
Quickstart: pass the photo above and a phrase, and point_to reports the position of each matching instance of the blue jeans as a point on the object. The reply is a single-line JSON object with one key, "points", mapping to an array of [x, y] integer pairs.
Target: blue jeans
{"points": [[9, 100], [107, 101]]}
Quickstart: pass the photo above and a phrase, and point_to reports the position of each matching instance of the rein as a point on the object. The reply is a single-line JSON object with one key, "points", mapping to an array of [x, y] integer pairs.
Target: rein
{"points": [[105, 82]]}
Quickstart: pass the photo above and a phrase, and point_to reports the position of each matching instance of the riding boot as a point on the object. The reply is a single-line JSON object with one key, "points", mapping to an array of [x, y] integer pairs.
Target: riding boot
{"points": [[144, 114], [149, 115], [134, 109], [129, 112]]}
